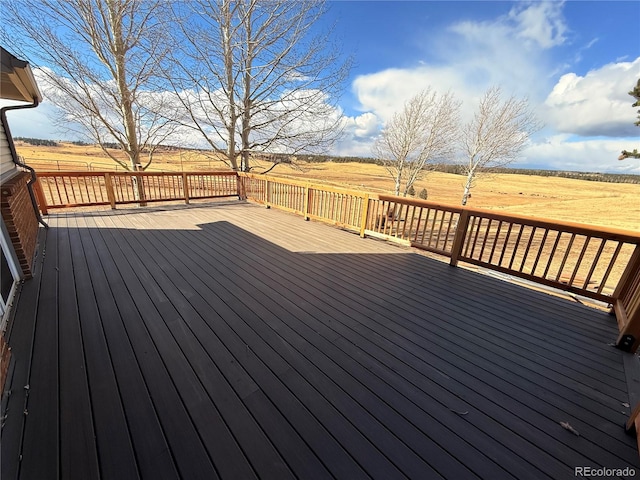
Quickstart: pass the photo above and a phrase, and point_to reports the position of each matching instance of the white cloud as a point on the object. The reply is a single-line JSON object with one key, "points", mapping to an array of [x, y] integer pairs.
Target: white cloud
{"points": [[515, 51], [383, 93], [596, 104], [596, 155], [508, 51], [541, 23], [366, 125]]}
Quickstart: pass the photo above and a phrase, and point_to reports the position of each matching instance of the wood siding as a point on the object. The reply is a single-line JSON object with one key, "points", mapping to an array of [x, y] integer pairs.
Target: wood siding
{"points": [[7, 167]]}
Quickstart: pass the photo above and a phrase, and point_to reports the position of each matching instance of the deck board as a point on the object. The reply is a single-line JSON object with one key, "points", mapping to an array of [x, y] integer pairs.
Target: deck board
{"points": [[292, 288], [232, 341], [117, 454], [40, 445], [145, 433]]}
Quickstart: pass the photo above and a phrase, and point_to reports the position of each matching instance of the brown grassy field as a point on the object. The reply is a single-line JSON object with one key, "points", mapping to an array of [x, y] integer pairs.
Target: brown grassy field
{"points": [[597, 203]]}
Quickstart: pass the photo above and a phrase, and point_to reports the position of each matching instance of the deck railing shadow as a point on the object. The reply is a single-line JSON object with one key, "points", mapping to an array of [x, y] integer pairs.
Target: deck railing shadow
{"points": [[594, 262], [260, 345]]}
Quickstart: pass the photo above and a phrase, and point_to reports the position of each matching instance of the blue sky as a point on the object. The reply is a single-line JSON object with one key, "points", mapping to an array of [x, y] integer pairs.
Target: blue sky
{"points": [[575, 61]]}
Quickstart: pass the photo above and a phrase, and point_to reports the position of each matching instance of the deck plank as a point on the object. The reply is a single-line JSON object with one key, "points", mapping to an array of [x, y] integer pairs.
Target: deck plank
{"points": [[231, 460], [191, 456], [78, 451], [114, 442], [267, 285], [20, 336], [150, 446], [312, 354], [40, 444], [245, 344]]}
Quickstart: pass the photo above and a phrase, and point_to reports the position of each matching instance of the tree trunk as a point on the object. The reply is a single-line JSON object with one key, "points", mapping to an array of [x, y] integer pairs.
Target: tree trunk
{"points": [[467, 188], [132, 147], [397, 186], [228, 67], [246, 100]]}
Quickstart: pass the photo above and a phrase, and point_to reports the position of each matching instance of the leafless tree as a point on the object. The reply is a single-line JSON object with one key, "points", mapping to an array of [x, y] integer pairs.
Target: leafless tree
{"points": [[253, 77], [496, 136], [426, 129], [98, 58]]}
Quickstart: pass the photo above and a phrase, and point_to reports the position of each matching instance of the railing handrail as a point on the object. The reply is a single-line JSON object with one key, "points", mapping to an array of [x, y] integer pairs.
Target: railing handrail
{"points": [[97, 173]]}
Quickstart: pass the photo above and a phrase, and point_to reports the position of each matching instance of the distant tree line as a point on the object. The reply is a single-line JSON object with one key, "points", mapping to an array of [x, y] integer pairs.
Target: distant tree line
{"points": [[589, 176], [460, 169], [37, 142]]}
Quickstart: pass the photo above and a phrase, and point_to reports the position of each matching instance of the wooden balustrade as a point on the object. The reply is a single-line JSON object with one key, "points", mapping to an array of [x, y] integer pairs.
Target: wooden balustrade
{"points": [[80, 189], [594, 262], [337, 206]]}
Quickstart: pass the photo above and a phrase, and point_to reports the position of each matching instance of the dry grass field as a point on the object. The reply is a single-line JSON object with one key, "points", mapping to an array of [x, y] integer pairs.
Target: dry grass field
{"points": [[597, 203]]}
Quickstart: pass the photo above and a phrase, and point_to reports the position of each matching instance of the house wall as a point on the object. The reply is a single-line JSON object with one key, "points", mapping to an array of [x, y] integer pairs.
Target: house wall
{"points": [[17, 210], [20, 219], [7, 167]]}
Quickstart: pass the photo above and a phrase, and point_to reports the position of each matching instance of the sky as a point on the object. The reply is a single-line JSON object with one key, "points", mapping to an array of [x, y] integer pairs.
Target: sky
{"points": [[575, 61]]}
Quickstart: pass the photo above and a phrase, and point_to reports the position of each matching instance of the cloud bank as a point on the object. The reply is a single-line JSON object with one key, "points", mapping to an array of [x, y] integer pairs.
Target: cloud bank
{"points": [[588, 118]]}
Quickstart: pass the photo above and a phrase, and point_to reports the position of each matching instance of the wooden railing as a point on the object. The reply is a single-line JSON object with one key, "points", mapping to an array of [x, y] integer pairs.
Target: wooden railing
{"points": [[80, 189], [594, 262]]}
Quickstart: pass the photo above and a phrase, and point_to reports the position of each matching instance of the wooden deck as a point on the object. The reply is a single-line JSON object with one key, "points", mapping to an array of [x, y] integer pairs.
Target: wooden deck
{"points": [[231, 341]]}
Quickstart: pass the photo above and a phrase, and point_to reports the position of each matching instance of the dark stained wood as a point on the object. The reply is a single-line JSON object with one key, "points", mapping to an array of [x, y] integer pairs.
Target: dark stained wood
{"points": [[40, 446], [230, 341], [152, 452], [78, 455], [115, 446], [21, 339]]}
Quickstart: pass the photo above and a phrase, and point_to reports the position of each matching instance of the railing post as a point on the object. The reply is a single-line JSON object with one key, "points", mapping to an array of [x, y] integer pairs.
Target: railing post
{"points": [[240, 187], [633, 265], [42, 200], [110, 194], [267, 194], [365, 214], [307, 200], [626, 305], [185, 186], [459, 237]]}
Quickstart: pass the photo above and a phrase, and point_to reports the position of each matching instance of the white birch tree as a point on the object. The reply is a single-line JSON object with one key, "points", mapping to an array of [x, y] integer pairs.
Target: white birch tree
{"points": [[425, 130], [252, 77], [99, 58], [496, 136]]}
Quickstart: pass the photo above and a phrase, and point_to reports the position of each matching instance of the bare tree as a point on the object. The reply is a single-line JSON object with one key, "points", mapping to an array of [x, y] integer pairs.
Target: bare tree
{"points": [[496, 136], [252, 77], [425, 130], [98, 58]]}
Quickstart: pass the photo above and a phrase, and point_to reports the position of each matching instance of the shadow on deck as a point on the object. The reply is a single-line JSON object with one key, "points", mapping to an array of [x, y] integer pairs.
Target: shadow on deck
{"points": [[231, 341]]}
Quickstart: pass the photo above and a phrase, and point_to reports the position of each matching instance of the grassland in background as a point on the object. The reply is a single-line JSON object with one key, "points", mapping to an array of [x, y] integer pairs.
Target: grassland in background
{"points": [[607, 204]]}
